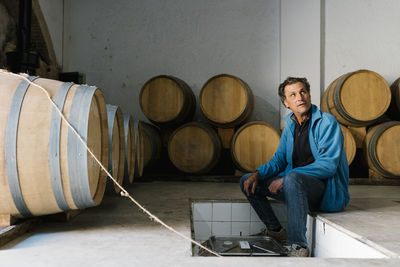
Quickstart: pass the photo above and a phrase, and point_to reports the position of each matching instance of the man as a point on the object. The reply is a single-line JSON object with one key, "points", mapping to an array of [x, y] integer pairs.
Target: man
{"points": [[309, 171]]}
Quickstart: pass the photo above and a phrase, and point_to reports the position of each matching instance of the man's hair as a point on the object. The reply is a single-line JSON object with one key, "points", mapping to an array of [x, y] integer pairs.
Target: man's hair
{"points": [[289, 81]]}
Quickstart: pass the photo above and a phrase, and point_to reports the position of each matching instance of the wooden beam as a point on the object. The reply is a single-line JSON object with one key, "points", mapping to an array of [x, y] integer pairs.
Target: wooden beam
{"points": [[11, 232], [7, 220], [62, 216]]}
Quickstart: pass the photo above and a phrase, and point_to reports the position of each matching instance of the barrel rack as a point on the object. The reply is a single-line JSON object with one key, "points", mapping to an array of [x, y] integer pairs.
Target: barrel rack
{"points": [[374, 178]]}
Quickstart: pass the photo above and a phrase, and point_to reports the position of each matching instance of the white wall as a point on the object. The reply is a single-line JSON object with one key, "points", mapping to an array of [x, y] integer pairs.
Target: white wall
{"points": [[300, 45], [54, 14], [119, 45], [362, 34]]}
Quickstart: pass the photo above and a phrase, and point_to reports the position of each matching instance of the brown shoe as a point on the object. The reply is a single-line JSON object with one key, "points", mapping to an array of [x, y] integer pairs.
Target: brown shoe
{"points": [[298, 251], [278, 236]]}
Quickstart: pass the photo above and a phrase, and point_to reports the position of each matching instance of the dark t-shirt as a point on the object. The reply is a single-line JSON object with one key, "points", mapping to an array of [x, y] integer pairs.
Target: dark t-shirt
{"points": [[302, 154]]}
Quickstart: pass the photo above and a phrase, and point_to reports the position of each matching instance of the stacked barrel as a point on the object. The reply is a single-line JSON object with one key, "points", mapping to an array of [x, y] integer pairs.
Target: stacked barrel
{"points": [[369, 109], [195, 147], [116, 147], [253, 145], [129, 148], [361, 101], [122, 149], [167, 102]]}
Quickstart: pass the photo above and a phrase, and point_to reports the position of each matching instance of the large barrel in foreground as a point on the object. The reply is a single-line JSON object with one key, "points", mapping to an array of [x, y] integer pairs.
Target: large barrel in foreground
{"points": [[116, 147], [254, 144], [167, 101], [357, 98], [44, 168], [226, 101], [194, 148], [382, 149]]}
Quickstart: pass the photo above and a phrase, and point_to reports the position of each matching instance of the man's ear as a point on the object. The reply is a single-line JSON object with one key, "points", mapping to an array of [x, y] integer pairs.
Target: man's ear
{"points": [[285, 104]]}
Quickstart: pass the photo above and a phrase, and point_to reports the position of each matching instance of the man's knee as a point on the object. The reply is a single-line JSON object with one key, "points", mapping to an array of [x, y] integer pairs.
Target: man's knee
{"points": [[291, 181], [244, 178]]}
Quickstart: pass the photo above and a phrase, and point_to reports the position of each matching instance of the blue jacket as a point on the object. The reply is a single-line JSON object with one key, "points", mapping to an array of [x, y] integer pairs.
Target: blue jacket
{"points": [[326, 142]]}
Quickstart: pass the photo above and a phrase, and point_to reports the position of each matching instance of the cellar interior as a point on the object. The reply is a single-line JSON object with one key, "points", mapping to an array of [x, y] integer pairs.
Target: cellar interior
{"points": [[126, 126]]}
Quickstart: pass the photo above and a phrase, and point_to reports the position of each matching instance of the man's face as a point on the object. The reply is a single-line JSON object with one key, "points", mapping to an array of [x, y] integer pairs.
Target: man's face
{"points": [[297, 99]]}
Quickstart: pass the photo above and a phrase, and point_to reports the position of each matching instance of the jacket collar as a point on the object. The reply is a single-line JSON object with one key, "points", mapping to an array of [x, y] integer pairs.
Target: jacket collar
{"points": [[315, 115]]}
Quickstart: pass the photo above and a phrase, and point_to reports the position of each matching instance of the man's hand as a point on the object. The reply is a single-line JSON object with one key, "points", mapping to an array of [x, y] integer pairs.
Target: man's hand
{"points": [[275, 186], [251, 183]]}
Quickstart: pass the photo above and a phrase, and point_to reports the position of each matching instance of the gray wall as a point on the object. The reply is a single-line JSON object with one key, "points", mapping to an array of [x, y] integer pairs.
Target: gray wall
{"points": [[120, 44], [300, 31], [362, 34], [53, 11]]}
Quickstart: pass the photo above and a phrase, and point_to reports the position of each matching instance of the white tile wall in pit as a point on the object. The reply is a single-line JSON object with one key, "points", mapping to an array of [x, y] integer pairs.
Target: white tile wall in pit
{"points": [[229, 218], [202, 230], [221, 212], [202, 212], [240, 212], [221, 228], [240, 228]]}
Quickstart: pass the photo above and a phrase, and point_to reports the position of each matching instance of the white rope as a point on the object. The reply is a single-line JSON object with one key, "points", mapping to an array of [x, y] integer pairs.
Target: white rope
{"points": [[123, 193]]}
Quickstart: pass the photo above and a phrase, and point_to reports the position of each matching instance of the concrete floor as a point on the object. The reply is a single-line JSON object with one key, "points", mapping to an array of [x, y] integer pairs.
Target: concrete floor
{"points": [[117, 234]]}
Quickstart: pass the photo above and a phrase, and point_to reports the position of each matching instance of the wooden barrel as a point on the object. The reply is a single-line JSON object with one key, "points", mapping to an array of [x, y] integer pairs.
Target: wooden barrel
{"points": [[139, 149], [254, 144], [194, 148], [394, 109], [129, 148], [349, 144], [151, 144], [226, 101], [116, 147], [167, 101], [382, 149], [357, 98], [44, 167]]}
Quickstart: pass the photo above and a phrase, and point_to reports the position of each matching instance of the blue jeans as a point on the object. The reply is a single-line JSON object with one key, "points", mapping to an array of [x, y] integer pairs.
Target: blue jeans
{"points": [[300, 192]]}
